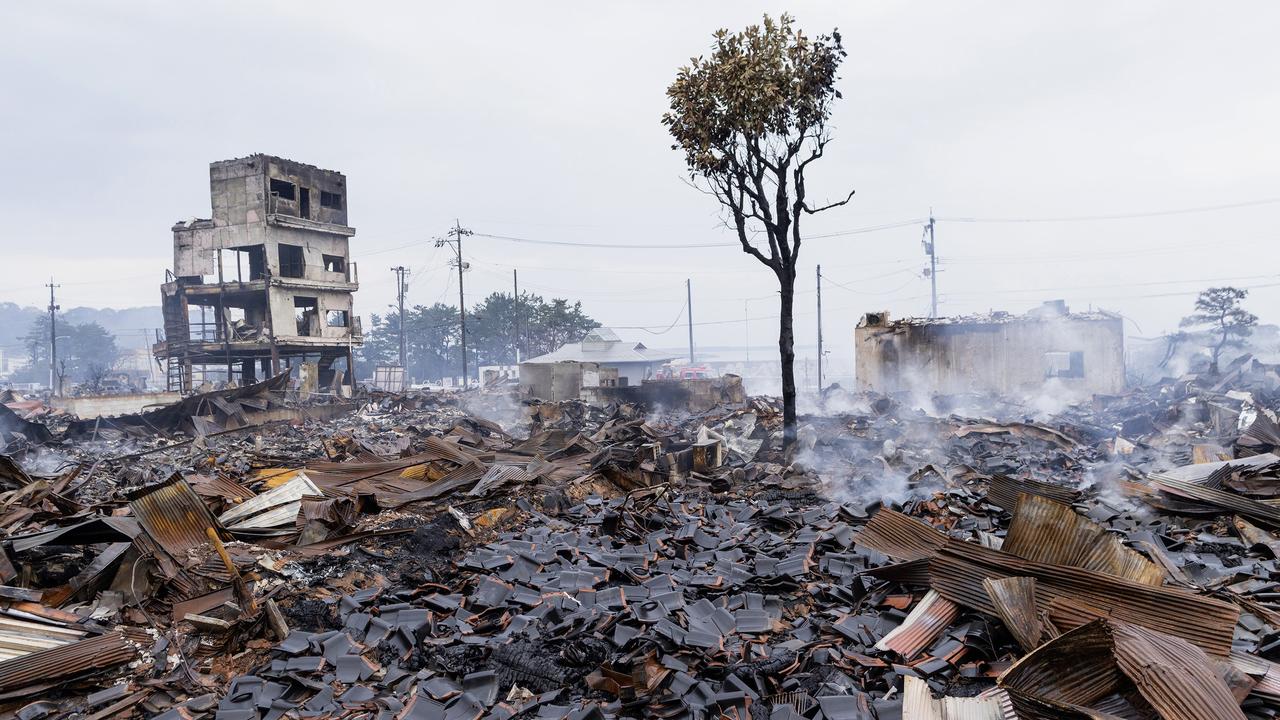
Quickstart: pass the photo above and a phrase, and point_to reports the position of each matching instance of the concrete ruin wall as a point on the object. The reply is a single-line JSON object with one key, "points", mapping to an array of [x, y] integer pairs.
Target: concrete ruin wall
{"points": [[1006, 357], [554, 381]]}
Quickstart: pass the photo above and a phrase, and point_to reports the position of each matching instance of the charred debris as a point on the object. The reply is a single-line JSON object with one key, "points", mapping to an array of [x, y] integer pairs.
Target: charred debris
{"points": [[251, 555]]}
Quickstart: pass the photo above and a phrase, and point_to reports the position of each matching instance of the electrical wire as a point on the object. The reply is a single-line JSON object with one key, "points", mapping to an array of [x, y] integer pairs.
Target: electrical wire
{"points": [[683, 307], [1114, 216], [846, 288], [683, 246]]}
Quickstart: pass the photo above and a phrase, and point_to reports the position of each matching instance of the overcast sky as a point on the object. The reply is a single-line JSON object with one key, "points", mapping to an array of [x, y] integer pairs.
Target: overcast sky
{"points": [[541, 121]]}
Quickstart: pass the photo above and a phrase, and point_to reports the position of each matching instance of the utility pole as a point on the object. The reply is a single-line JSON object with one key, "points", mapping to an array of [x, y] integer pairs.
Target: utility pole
{"points": [[456, 233], [746, 331], [515, 284], [929, 248], [819, 276], [400, 270], [53, 342], [688, 299]]}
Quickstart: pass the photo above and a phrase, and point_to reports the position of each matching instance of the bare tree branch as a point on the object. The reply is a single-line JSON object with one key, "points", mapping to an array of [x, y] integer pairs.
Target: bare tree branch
{"points": [[813, 211]]}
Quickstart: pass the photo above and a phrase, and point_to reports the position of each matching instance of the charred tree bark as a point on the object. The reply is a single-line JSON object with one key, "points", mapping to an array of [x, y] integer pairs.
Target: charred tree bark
{"points": [[787, 354]]}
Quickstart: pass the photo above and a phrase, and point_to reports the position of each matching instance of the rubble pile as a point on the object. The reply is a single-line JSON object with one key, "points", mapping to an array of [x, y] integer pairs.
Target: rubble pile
{"points": [[248, 555]]}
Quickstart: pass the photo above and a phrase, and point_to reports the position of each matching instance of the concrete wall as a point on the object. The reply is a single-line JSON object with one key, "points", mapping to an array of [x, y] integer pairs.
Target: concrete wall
{"points": [[635, 373], [112, 405], [1007, 357], [284, 317], [554, 381]]}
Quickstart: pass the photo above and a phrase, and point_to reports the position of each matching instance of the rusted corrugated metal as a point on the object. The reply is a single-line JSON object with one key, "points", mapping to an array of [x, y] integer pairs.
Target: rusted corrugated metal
{"points": [[338, 474], [173, 514], [912, 572], [1264, 672], [900, 537], [921, 627], [77, 658], [1015, 602], [217, 486], [1003, 491], [390, 478], [958, 569], [1050, 532], [1089, 668], [460, 477]]}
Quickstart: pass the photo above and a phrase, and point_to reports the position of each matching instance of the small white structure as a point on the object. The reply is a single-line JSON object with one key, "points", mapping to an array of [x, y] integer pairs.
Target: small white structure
{"points": [[601, 350]]}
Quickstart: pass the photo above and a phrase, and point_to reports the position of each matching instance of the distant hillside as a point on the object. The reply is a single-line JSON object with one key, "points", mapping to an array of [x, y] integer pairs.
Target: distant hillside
{"points": [[15, 320]]}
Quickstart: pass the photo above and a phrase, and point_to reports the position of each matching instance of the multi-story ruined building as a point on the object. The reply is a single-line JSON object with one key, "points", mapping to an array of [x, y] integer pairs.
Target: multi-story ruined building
{"points": [[266, 283]]}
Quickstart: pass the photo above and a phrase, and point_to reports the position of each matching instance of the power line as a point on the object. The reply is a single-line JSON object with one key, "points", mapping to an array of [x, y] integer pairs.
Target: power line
{"points": [[1115, 216], [695, 271], [683, 246], [864, 292], [667, 329], [619, 246]]}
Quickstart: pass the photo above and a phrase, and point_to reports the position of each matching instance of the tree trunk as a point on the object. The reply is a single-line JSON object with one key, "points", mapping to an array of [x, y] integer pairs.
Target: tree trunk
{"points": [[787, 353], [1217, 352]]}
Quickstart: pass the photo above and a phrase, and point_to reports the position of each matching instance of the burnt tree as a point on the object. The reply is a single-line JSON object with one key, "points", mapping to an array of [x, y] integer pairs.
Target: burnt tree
{"points": [[751, 118], [1218, 310]]}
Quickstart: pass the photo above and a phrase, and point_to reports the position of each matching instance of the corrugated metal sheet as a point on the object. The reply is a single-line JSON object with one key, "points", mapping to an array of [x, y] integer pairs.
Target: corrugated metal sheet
{"points": [[273, 508], [1176, 678], [1015, 602], [500, 475], [77, 658], [1004, 490], [392, 477], [921, 627], [87, 532], [1265, 672], [23, 637], [958, 570], [173, 514], [900, 537], [912, 572], [1219, 498], [461, 477], [1199, 473], [918, 704], [220, 487], [1091, 665], [1050, 532], [1263, 432]]}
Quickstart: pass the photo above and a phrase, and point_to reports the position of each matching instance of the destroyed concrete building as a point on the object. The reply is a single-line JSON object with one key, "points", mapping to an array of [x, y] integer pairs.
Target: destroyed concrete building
{"points": [[266, 283], [601, 359], [1081, 353]]}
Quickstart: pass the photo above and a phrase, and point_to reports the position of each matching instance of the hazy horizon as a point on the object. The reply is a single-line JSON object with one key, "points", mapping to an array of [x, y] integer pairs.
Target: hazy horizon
{"points": [[542, 123]]}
